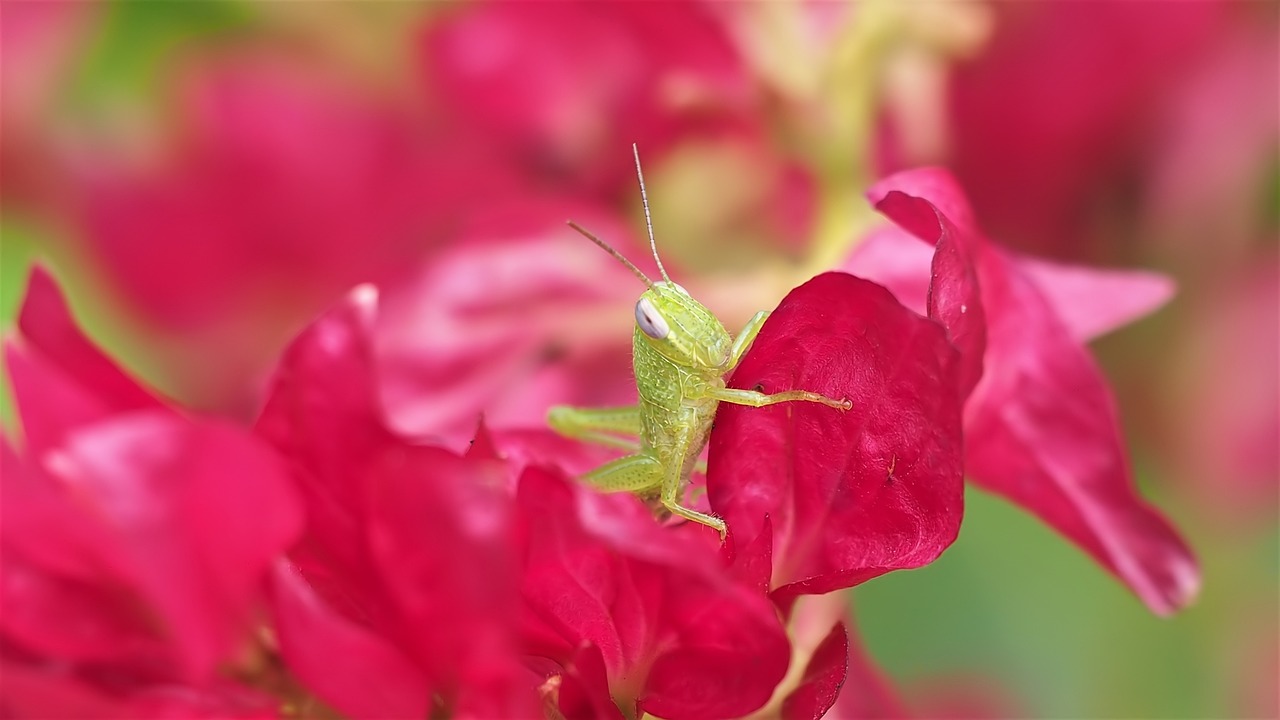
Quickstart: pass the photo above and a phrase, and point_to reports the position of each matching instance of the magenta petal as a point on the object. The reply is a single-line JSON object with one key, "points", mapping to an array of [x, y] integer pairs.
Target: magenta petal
{"points": [[866, 693], [1094, 301], [823, 678], [1043, 432], [896, 259], [41, 525], [351, 669], [1041, 426], [72, 620], [851, 495], [439, 532], [199, 511], [678, 637], [937, 186], [60, 379], [584, 688], [413, 539], [954, 297], [47, 324], [322, 414], [325, 390], [51, 692]]}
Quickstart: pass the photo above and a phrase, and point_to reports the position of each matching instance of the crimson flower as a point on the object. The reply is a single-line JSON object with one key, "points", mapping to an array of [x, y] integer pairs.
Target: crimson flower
{"points": [[1041, 425], [285, 187], [1070, 116], [136, 540], [431, 580], [561, 85]]}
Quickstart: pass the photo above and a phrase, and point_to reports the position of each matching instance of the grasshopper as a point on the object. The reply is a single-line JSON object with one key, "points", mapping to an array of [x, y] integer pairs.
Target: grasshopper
{"points": [[681, 354]]}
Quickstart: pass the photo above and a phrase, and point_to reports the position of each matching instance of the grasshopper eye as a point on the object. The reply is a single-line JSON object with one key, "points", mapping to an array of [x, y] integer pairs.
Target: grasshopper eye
{"points": [[650, 321]]}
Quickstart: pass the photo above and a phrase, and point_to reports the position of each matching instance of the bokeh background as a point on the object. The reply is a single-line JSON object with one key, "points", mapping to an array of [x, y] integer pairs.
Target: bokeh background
{"points": [[203, 177]]}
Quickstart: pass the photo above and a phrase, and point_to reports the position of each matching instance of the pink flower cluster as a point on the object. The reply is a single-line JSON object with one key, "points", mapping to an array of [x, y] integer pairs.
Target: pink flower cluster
{"points": [[367, 546], [158, 563]]}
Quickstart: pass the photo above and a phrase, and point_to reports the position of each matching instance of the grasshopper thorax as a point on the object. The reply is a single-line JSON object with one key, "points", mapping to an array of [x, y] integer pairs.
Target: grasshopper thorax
{"points": [[668, 319], [680, 328]]}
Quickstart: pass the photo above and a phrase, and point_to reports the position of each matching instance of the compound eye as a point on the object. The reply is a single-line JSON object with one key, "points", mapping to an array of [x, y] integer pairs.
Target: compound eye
{"points": [[649, 321]]}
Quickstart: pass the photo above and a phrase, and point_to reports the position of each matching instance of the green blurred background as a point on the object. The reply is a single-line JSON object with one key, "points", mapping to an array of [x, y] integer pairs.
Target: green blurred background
{"points": [[1011, 610]]}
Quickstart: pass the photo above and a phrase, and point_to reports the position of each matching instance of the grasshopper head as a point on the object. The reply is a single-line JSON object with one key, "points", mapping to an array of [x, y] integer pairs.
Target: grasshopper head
{"points": [[680, 328], [667, 318]]}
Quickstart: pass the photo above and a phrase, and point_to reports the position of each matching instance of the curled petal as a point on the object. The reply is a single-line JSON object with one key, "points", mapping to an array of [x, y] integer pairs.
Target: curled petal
{"points": [[954, 298]]}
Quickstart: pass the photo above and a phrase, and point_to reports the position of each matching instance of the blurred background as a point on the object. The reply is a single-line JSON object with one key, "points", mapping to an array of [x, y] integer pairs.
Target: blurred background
{"points": [[204, 177]]}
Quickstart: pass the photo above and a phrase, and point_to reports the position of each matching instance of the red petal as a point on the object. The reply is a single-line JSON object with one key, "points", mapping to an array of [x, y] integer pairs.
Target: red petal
{"points": [[677, 636], [866, 693], [351, 669], [823, 678], [584, 688], [854, 494]]}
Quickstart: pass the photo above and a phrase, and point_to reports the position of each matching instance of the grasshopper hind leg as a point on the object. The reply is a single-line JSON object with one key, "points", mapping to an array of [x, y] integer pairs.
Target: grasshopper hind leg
{"points": [[645, 476], [672, 504], [639, 474]]}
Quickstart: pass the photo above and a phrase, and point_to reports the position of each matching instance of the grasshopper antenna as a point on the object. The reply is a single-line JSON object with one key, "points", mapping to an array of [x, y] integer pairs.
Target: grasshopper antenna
{"points": [[644, 197], [609, 249]]}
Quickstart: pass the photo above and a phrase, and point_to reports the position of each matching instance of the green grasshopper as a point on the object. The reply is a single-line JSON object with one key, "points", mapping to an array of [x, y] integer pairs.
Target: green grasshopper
{"points": [[681, 354]]}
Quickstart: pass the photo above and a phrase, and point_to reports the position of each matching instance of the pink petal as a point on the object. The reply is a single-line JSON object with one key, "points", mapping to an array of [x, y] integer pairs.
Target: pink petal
{"points": [[439, 530], [322, 413], [823, 678], [677, 637], [1041, 426], [954, 298], [474, 330], [851, 495], [61, 380], [54, 692], [351, 669], [411, 539], [866, 692], [1092, 302], [564, 85], [896, 259], [1044, 432], [199, 511]]}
